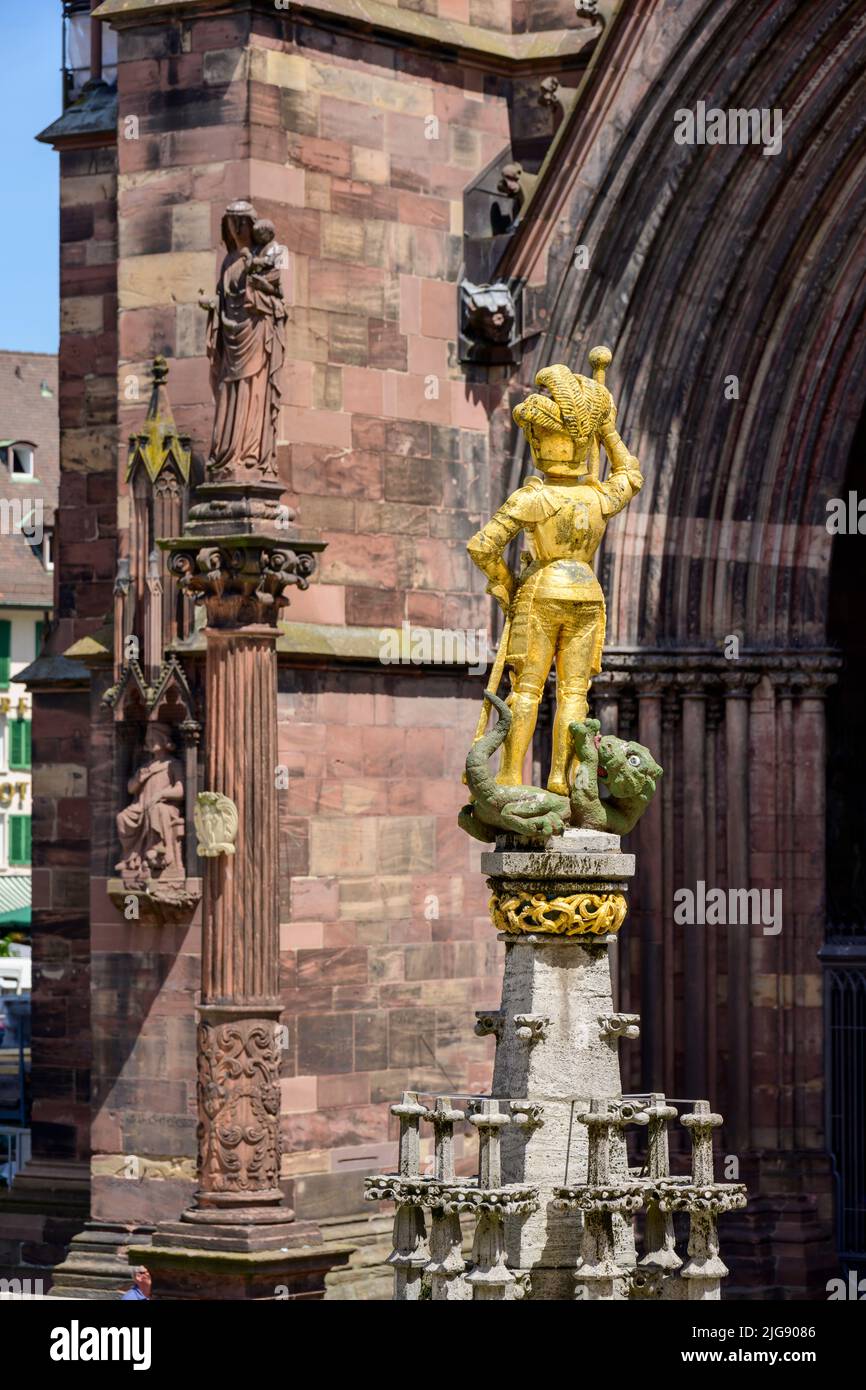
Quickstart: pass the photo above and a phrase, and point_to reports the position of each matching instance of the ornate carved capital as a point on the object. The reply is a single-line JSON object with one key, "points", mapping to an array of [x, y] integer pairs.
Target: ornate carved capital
{"points": [[242, 585], [739, 684], [714, 1198], [607, 1197], [451, 1197], [650, 685], [792, 685], [512, 1199], [694, 684], [526, 1114], [611, 684], [531, 1028], [616, 1026], [815, 684]]}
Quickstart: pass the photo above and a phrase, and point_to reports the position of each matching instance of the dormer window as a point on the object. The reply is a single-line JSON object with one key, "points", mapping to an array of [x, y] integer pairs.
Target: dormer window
{"points": [[45, 550], [39, 535], [20, 459]]}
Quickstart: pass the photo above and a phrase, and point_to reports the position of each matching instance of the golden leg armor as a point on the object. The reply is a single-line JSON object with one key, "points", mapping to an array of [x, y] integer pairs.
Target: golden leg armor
{"points": [[524, 712], [571, 706], [575, 646], [530, 673]]}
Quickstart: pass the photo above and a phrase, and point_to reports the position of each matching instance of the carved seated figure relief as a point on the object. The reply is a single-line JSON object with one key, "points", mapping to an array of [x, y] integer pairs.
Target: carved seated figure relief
{"points": [[151, 827]]}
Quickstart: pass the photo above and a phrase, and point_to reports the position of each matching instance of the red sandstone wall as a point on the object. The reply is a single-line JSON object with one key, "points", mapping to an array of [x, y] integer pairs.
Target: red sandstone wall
{"points": [[387, 948], [388, 452], [87, 512], [86, 525]]}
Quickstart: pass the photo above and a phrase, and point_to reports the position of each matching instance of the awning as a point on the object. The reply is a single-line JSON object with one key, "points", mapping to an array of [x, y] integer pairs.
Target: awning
{"points": [[15, 898]]}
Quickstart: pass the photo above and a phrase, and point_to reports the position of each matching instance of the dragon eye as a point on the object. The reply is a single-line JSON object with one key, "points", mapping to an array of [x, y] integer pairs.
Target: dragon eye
{"points": [[633, 760]]}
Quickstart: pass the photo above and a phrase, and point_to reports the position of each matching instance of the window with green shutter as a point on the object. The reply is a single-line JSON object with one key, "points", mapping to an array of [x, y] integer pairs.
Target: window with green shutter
{"points": [[5, 652], [19, 745], [19, 841]]}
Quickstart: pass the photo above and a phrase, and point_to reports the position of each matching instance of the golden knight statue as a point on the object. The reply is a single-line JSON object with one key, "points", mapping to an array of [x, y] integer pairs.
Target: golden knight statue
{"points": [[554, 606]]}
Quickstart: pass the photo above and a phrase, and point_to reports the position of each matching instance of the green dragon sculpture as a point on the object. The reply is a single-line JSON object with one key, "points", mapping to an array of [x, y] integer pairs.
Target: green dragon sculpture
{"points": [[526, 811], [627, 770]]}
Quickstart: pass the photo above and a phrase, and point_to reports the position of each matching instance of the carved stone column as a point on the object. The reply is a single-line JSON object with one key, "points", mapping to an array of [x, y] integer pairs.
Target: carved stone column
{"points": [[446, 1266], [237, 1042], [738, 693], [694, 871], [671, 719], [239, 1205], [650, 692]]}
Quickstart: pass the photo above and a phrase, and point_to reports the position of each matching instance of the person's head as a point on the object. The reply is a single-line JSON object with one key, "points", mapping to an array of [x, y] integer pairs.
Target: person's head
{"points": [[509, 180], [158, 738], [142, 1280], [237, 224], [264, 231], [560, 426]]}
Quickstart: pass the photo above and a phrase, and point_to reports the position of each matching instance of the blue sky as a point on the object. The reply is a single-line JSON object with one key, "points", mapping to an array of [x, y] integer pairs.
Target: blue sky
{"points": [[29, 101]]}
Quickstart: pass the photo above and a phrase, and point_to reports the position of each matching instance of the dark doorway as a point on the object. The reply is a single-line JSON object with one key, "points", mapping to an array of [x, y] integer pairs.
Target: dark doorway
{"points": [[844, 952]]}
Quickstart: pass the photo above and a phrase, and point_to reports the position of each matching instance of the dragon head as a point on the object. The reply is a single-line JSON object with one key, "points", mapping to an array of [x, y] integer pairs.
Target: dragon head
{"points": [[626, 769]]}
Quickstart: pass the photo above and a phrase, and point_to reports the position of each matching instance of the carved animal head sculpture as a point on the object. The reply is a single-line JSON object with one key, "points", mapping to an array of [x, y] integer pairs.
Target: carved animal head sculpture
{"points": [[549, 92], [488, 312], [626, 769], [510, 180]]}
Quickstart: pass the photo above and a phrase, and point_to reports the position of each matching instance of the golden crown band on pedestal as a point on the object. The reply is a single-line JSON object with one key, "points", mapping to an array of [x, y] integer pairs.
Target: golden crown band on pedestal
{"points": [[573, 914]]}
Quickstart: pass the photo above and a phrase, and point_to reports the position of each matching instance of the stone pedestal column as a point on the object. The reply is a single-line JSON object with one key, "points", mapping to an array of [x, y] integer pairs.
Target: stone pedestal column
{"points": [[238, 1083], [239, 1217], [557, 1041]]}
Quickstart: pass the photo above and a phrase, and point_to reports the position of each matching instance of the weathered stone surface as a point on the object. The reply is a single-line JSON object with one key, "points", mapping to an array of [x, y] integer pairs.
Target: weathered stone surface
{"points": [[570, 863]]}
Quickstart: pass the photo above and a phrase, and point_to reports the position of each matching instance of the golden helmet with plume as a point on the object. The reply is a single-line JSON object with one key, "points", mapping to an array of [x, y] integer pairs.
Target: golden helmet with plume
{"points": [[563, 428]]}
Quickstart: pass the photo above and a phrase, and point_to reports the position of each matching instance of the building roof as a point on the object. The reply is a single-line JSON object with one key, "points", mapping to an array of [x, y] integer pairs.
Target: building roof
{"points": [[28, 414], [88, 119]]}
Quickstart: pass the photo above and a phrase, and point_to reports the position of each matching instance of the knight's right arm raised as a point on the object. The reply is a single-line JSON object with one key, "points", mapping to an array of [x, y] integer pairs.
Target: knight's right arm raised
{"points": [[625, 479]]}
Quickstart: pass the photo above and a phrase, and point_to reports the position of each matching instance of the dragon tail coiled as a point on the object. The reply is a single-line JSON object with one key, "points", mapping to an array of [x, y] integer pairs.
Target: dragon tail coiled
{"points": [[478, 776]]}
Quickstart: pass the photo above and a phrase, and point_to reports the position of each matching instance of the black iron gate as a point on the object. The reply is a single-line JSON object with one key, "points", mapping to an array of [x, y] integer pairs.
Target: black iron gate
{"points": [[844, 958]]}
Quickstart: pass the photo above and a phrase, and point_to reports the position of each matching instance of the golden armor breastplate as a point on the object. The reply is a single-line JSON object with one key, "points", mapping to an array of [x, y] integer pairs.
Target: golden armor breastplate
{"points": [[562, 547]]}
